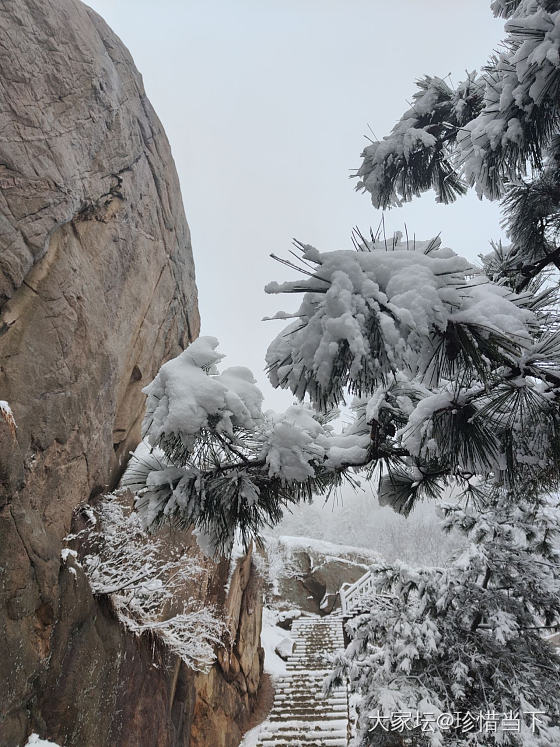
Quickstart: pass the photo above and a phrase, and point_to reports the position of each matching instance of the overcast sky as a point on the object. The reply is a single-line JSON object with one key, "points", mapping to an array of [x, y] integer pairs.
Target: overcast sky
{"points": [[266, 105]]}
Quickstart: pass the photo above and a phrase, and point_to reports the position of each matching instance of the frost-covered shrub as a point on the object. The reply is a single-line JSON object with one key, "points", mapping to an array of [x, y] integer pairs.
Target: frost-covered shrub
{"points": [[146, 580]]}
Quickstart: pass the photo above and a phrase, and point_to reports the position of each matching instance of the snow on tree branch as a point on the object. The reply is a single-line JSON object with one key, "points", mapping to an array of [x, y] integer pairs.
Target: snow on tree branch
{"points": [[416, 155], [213, 459]]}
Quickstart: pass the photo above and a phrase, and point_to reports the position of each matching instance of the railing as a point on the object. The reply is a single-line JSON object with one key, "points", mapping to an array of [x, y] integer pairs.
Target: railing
{"points": [[356, 597]]}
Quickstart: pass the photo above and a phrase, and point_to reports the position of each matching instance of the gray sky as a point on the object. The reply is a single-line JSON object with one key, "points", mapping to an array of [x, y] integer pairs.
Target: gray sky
{"points": [[266, 105]]}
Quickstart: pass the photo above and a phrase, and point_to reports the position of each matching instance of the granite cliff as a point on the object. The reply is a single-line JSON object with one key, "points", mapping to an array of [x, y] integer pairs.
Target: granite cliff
{"points": [[97, 289]]}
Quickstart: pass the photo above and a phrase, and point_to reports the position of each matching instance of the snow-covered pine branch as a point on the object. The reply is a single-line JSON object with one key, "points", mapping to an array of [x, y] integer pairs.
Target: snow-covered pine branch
{"points": [[497, 131], [416, 156], [455, 376], [213, 459]]}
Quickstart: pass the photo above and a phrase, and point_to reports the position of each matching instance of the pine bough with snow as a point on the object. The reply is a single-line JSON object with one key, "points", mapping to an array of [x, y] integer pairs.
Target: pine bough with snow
{"points": [[497, 131], [215, 460]]}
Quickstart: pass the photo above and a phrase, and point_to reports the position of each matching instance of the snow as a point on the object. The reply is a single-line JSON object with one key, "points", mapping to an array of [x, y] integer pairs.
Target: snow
{"points": [[378, 313], [330, 549], [145, 575], [251, 738], [294, 440], [520, 80], [188, 390], [36, 741], [5, 408], [414, 433], [271, 637], [285, 648]]}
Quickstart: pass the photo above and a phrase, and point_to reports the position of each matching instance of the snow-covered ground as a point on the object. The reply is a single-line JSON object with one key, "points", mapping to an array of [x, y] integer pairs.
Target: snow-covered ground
{"points": [[36, 741], [271, 637]]}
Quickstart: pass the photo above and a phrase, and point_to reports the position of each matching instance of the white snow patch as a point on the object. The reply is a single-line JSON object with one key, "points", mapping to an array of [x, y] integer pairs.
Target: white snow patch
{"points": [[36, 740], [285, 648], [271, 637]]}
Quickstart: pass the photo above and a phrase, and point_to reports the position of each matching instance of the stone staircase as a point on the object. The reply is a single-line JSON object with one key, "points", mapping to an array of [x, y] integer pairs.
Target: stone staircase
{"points": [[301, 716]]}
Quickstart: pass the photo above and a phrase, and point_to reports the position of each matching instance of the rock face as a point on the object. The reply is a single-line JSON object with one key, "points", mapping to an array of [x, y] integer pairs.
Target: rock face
{"points": [[104, 687], [226, 697], [97, 289], [307, 574]]}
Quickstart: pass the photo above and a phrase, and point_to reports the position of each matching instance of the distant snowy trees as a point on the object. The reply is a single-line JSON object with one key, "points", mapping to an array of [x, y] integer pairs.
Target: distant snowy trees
{"points": [[455, 374]]}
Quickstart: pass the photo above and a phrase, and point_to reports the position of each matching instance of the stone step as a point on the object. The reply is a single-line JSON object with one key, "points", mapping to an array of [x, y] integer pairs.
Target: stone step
{"points": [[296, 730], [308, 703], [303, 738], [311, 716], [328, 710], [317, 692], [336, 742], [294, 724], [311, 694], [301, 714], [316, 697]]}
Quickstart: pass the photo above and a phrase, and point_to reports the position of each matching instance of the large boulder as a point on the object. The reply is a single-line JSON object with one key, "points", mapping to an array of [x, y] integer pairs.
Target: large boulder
{"points": [[307, 573], [97, 289]]}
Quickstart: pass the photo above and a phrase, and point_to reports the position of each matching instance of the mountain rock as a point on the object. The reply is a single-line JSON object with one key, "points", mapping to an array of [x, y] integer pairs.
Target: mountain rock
{"points": [[307, 573], [97, 290]]}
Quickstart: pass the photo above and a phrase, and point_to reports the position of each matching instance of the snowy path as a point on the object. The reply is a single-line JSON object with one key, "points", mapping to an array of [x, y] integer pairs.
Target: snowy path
{"points": [[301, 714]]}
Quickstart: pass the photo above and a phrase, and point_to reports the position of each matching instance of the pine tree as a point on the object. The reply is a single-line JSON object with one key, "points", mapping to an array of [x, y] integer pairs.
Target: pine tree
{"points": [[468, 638], [454, 370], [497, 131]]}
